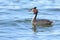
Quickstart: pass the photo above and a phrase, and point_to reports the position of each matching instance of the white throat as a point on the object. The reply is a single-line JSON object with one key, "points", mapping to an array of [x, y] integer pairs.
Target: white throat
{"points": [[34, 18]]}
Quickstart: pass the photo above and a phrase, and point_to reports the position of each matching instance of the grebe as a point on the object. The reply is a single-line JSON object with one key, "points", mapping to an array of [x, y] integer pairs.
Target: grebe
{"points": [[40, 22]]}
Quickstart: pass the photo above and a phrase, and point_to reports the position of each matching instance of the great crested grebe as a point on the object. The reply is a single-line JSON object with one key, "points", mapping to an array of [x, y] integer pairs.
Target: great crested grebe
{"points": [[41, 22]]}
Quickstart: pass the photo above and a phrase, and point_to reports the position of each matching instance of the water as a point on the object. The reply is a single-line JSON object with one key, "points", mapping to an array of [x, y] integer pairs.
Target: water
{"points": [[15, 19]]}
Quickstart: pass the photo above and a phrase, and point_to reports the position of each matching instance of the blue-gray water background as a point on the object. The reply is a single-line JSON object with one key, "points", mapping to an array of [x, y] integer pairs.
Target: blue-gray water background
{"points": [[15, 19]]}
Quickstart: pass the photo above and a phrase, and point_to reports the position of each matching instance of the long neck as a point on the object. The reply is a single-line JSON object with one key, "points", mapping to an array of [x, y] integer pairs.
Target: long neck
{"points": [[34, 17]]}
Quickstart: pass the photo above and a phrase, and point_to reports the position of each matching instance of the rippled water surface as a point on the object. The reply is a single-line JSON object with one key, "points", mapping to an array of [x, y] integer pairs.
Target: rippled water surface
{"points": [[15, 19]]}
